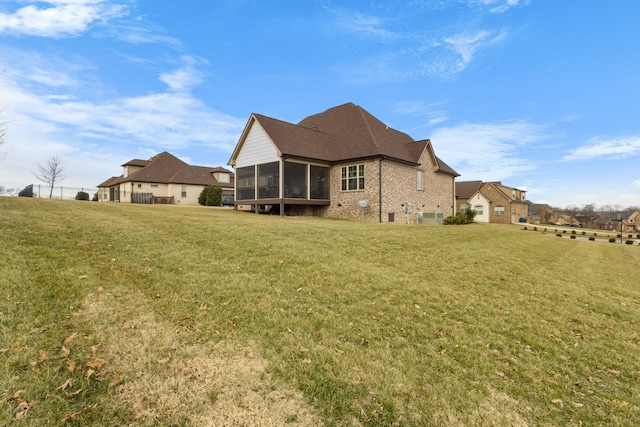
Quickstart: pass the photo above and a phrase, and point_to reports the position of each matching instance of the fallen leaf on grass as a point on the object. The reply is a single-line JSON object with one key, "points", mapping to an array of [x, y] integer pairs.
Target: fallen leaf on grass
{"points": [[612, 372], [76, 415], [67, 384], [70, 338], [64, 352], [88, 374], [94, 363], [115, 382], [71, 366], [306, 361], [102, 376]]}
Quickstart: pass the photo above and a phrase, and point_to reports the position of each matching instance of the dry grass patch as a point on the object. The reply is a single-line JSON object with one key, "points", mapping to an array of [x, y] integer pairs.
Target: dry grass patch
{"points": [[164, 378]]}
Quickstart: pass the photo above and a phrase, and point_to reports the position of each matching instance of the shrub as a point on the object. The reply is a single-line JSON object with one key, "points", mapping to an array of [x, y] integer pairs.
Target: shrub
{"points": [[95, 197], [210, 196], [612, 239], [573, 231], [584, 232], [462, 218], [592, 238], [573, 236], [630, 236], [559, 235], [82, 195], [525, 228], [629, 242]]}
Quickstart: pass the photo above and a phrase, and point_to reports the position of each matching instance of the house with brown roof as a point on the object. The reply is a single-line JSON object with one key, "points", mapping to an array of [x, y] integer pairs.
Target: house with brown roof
{"points": [[164, 179], [492, 201], [342, 163]]}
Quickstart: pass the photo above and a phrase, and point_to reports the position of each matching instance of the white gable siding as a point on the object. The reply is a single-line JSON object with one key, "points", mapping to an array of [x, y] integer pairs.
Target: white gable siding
{"points": [[257, 148], [479, 201]]}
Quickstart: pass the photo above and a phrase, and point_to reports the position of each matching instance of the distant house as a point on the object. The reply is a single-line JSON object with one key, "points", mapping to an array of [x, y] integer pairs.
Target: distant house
{"points": [[164, 179], [492, 201], [627, 221], [341, 163], [540, 213]]}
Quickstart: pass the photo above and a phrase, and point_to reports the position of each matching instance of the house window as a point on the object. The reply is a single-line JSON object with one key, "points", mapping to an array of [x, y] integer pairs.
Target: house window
{"points": [[478, 209], [419, 179], [513, 194], [499, 210], [139, 185], [184, 191], [464, 207], [154, 185], [353, 177], [224, 177]]}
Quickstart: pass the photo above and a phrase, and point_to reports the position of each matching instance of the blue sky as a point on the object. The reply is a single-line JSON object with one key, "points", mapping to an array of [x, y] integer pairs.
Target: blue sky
{"points": [[541, 95]]}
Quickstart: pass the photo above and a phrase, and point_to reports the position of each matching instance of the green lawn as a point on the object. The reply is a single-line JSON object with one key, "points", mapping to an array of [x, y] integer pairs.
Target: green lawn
{"points": [[113, 314]]}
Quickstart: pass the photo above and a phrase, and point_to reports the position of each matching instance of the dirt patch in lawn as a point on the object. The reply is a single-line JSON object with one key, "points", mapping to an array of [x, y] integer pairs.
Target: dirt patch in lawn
{"points": [[164, 380]]}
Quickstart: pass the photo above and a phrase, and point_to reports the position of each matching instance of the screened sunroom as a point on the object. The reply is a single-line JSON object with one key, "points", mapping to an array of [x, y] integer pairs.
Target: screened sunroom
{"points": [[284, 182]]}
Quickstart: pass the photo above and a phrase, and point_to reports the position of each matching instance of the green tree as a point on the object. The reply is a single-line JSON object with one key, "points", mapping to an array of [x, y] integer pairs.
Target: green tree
{"points": [[210, 196]]}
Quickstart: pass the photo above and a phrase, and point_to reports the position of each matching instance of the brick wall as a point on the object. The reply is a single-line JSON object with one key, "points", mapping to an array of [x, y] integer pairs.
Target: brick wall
{"points": [[399, 186]]}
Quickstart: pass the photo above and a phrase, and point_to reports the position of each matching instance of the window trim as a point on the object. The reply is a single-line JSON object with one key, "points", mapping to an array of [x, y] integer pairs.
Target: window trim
{"points": [[420, 180], [352, 174]]}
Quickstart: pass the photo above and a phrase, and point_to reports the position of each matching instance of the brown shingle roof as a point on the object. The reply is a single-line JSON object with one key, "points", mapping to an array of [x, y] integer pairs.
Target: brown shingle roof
{"points": [[167, 169], [342, 133], [466, 189]]}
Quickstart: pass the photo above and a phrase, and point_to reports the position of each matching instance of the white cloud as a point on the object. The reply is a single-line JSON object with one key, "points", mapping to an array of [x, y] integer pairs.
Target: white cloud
{"points": [[369, 26], [499, 6], [466, 45], [487, 151], [185, 77], [64, 18], [614, 148], [432, 112]]}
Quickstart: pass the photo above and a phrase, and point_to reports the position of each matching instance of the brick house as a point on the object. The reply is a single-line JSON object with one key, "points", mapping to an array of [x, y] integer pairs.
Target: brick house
{"points": [[342, 163], [164, 179], [492, 201]]}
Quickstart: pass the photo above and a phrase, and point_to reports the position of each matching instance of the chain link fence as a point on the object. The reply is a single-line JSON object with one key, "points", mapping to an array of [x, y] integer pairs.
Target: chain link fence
{"points": [[57, 192]]}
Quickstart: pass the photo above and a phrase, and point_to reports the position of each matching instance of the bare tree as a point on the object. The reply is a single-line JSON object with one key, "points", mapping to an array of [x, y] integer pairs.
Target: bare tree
{"points": [[51, 172]]}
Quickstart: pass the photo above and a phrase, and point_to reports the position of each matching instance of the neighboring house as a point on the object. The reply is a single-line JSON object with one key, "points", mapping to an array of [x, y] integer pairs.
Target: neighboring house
{"points": [[542, 214], [164, 179], [627, 221], [492, 201], [342, 163]]}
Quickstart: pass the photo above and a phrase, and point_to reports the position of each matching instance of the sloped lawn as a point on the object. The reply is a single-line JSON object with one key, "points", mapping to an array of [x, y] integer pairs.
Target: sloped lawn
{"points": [[113, 314]]}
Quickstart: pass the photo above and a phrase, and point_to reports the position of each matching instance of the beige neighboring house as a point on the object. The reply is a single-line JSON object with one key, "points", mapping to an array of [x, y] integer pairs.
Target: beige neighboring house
{"points": [[342, 163], [164, 179], [492, 201]]}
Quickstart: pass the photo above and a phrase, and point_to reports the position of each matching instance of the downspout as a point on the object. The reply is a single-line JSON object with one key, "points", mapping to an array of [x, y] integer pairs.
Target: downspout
{"points": [[380, 189]]}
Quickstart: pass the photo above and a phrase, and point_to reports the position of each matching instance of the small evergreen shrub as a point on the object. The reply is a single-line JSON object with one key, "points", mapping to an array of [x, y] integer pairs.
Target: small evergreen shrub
{"points": [[584, 232], [612, 239], [82, 195], [629, 242], [559, 235], [592, 238], [573, 236], [573, 231], [535, 228], [462, 218], [95, 197], [210, 196]]}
